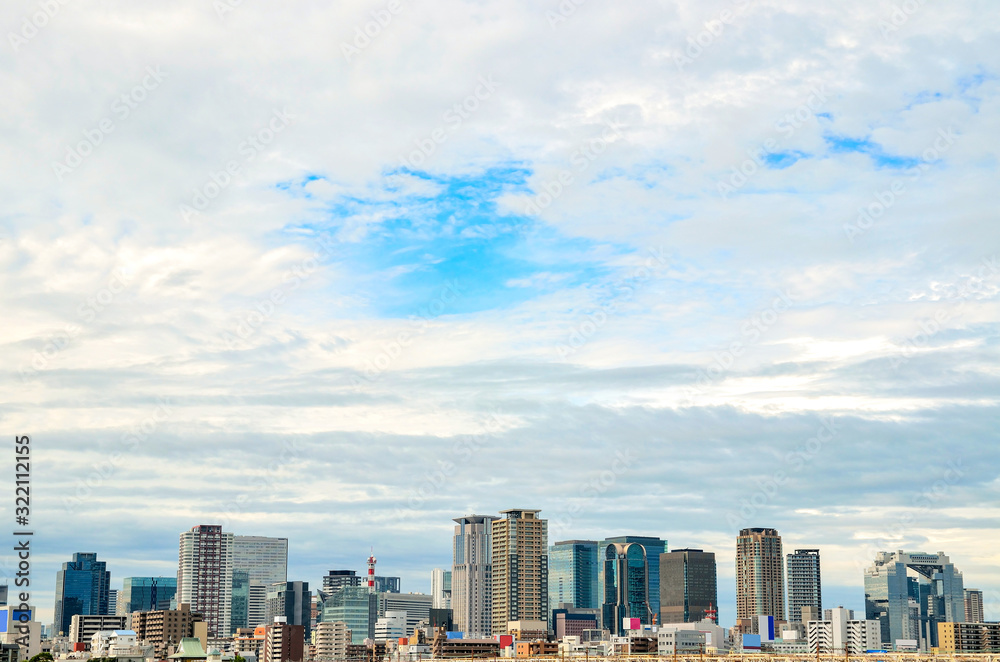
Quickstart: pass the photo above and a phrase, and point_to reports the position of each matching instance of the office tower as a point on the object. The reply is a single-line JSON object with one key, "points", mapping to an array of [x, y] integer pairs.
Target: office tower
{"points": [[804, 585], [688, 586], [520, 568], [256, 605], [112, 602], [626, 586], [265, 559], [205, 575], [912, 607], [416, 605], [336, 579], [653, 547], [145, 594], [390, 627], [291, 601], [441, 588], [81, 588], [973, 605], [357, 607], [573, 573], [472, 577], [760, 577], [239, 611], [386, 584]]}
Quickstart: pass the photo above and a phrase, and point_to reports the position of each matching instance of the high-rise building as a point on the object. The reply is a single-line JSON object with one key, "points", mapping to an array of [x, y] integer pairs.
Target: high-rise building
{"points": [[974, 606], [112, 602], [911, 607], [520, 568], [82, 587], [264, 559], [239, 610], [145, 594], [653, 547], [336, 579], [441, 588], [386, 584], [760, 577], [626, 586], [357, 607], [688, 586], [283, 642], [256, 605], [291, 601], [417, 607], [804, 585], [472, 577], [573, 573], [205, 575], [332, 640]]}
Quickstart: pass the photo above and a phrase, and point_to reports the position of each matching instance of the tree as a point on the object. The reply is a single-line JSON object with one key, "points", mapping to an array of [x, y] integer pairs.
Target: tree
{"points": [[44, 656]]}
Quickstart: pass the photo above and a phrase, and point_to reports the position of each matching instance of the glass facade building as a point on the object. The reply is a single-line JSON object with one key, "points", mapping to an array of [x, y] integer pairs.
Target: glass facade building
{"points": [[653, 547], [688, 585], [573, 572], [626, 585], [355, 606], [82, 587], [240, 612], [146, 594]]}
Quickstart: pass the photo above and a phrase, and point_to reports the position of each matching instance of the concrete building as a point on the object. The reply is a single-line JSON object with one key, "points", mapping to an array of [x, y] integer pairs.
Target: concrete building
{"points": [[165, 628], [625, 587], [82, 587], [441, 588], [520, 568], [249, 642], [332, 640], [566, 623], [968, 637], [205, 575], [15, 630], [283, 642], [804, 584], [291, 601], [337, 579], [760, 577], [112, 602], [391, 627], [974, 606], [688, 586], [256, 604], [714, 636], [472, 577], [416, 606], [910, 607], [145, 594], [83, 627], [680, 642], [841, 633], [653, 547], [573, 573]]}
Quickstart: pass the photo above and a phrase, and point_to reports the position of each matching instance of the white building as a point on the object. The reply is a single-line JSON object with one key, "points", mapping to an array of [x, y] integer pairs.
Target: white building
{"points": [[417, 607], [440, 588], [332, 640], [391, 627], [841, 633], [680, 641], [715, 637]]}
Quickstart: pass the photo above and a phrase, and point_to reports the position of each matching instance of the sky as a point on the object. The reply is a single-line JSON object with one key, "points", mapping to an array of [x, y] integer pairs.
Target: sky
{"points": [[342, 272]]}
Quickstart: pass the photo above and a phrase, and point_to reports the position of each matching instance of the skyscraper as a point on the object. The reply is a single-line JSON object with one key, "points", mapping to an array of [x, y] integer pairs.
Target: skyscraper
{"points": [[239, 610], [265, 559], [357, 607], [804, 585], [653, 547], [205, 575], [520, 568], [760, 577], [688, 586], [291, 601], [626, 585], [973, 605], [573, 572], [336, 579], [146, 594], [81, 588], [440, 588], [471, 576], [911, 607]]}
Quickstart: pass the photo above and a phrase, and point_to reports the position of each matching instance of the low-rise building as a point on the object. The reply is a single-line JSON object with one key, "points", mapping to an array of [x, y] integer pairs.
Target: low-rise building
{"points": [[165, 629], [83, 627], [968, 637], [672, 642], [283, 642]]}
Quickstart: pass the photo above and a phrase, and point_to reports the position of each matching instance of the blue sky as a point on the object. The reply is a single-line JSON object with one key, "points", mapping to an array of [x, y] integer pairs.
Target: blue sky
{"points": [[600, 248]]}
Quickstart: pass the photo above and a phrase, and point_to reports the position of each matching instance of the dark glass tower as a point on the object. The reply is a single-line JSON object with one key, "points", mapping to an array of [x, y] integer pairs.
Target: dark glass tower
{"points": [[688, 585], [573, 574], [81, 588]]}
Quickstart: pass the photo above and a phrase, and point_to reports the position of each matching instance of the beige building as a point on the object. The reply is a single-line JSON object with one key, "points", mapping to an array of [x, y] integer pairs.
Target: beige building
{"points": [[520, 568], [332, 640], [471, 576], [760, 577], [165, 629], [968, 637]]}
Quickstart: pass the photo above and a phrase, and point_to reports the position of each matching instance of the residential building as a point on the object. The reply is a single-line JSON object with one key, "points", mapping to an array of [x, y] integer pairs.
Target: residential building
{"points": [[145, 594], [974, 606], [357, 607], [573, 573], [841, 633], [472, 577], [283, 642], [332, 640], [82, 627], [804, 585], [910, 608], [968, 637], [441, 588], [626, 586], [165, 628], [688, 586], [520, 568], [81, 588], [653, 547], [249, 642], [760, 577], [291, 601], [205, 575]]}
